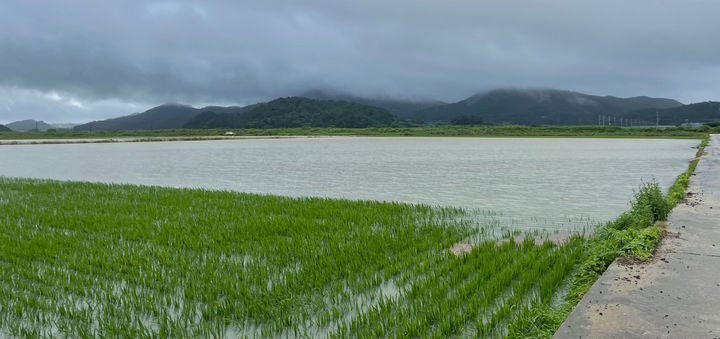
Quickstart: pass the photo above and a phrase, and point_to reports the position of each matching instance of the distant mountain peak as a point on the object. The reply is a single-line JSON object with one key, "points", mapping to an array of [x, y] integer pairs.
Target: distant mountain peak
{"points": [[29, 125], [540, 94], [540, 106], [296, 111], [706, 111], [166, 116], [398, 106], [172, 104]]}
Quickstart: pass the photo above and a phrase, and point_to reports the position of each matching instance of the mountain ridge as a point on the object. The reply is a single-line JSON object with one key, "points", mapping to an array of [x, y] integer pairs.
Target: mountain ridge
{"points": [[292, 112], [499, 106], [399, 107], [539, 107], [705, 111], [166, 116], [29, 125]]}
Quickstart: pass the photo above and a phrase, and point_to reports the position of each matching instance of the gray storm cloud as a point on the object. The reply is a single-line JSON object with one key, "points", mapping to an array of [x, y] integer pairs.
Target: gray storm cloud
{"points": [[84, 60]]}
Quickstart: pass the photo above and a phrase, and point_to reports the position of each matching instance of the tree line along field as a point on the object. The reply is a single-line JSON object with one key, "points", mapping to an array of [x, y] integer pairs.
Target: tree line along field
{"points": [[419, 131], [107, 260]]}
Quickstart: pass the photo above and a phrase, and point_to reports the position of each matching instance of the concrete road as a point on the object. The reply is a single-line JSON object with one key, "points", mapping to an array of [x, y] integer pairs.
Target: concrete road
{"points": [[677, 293]]}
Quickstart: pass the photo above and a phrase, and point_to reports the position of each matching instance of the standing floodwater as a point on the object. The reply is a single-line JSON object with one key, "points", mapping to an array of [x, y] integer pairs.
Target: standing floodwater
{"points": [[531, 182]]}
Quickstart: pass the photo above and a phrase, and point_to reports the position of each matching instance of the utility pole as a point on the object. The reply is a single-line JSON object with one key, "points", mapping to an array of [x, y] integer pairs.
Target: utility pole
{"points": [[657, 119]]}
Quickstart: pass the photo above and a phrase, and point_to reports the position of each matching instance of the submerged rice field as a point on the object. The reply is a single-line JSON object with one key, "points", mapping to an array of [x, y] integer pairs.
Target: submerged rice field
{"points": [[539, 183], [108, 260]]}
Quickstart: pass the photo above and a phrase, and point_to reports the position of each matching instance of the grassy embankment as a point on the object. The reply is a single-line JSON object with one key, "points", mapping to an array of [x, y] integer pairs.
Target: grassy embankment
{"points": [[468, 131], [633, 236], [89, 260]]}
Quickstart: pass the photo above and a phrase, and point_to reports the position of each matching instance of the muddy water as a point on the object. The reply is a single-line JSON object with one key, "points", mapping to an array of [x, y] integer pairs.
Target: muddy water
{"points": [[549, 183]]}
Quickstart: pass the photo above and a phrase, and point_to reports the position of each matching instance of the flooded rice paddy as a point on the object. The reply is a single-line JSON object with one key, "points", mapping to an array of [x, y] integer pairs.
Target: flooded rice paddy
{"points": [[549, 183], [83, 259]]}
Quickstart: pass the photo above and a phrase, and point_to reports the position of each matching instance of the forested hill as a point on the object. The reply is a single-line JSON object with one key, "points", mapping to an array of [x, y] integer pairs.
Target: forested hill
{"points": [[297, 112], [540, 107], [403, 108], [699, 112], [4, 129], [502, 106], [161, 117]]}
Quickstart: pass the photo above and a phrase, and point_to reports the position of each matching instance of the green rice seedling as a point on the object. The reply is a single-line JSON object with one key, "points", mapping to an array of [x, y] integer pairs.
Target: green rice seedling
{"points": [[108, 260]]}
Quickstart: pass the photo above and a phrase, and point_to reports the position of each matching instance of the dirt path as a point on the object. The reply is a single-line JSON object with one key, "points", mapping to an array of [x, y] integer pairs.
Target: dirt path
{"points": [[677, 294]]}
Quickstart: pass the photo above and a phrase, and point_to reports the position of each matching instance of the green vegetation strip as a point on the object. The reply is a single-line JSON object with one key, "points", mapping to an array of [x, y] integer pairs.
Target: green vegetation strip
{"points": [[633, 236], [107, 260], [424, 131]]}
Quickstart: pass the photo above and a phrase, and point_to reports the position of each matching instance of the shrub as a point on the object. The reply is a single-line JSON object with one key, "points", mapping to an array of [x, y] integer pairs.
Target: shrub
{"points": [[648, 207], [649, 199]]}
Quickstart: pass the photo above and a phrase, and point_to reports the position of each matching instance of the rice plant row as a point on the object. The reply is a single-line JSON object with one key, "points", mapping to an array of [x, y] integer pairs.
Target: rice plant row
{"points": [[104, 260]]}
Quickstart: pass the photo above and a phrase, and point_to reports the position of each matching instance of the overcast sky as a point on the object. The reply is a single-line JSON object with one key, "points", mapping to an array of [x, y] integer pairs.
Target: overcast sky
{"points": [[74, 61]]}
